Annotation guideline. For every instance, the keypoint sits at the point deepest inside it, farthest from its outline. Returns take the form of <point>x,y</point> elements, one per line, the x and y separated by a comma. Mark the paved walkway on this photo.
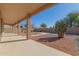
<point>27,48</point>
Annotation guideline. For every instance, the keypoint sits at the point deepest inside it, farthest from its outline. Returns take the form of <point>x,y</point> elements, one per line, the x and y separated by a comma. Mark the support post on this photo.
<point>1,28</point>
<point>18,28</point>
<point>1,25</point>
<point>12,29</point>
<point>28,29</point>
<point>19,25</point>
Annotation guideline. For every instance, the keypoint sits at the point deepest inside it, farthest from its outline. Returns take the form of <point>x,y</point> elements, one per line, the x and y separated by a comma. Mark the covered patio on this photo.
<point>13,14</point>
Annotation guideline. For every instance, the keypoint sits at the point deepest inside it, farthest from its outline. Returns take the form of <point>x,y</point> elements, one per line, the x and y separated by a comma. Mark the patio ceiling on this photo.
<point>14,13</point>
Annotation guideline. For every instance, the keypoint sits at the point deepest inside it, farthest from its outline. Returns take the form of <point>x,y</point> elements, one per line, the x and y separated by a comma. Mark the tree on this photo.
<point>77,21</point>
<point>61,27</point>
<point>43,25</point>
<point>71,18</point>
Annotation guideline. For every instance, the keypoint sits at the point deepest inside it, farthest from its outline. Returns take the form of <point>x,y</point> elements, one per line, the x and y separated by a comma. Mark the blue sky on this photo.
<point>53,14</point>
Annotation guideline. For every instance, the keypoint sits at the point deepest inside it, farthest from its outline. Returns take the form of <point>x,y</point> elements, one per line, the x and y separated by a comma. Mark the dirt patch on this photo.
<point>66,44</point>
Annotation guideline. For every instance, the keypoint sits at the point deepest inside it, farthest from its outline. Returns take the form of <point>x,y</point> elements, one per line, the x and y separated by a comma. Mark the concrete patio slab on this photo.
<point>28,48</point>
<point>11,36</point>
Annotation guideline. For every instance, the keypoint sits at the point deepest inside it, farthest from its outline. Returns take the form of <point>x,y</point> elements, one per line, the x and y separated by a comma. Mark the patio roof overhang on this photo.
<point>14,13</point>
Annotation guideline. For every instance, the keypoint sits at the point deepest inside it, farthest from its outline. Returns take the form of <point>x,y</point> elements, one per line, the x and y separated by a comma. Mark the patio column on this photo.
<point>1,25</point>
<point>15,28</point>
<point>19,28</point>
<point>1,28</point>
<point>28,29</point>
<point>12,29</point>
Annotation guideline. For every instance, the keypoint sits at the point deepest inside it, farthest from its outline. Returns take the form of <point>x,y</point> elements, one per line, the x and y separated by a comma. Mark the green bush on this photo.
<point>60,28</point>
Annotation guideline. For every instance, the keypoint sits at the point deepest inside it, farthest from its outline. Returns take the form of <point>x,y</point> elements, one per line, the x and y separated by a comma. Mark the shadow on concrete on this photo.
<point>48,39</point>
<point>13,41</point>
